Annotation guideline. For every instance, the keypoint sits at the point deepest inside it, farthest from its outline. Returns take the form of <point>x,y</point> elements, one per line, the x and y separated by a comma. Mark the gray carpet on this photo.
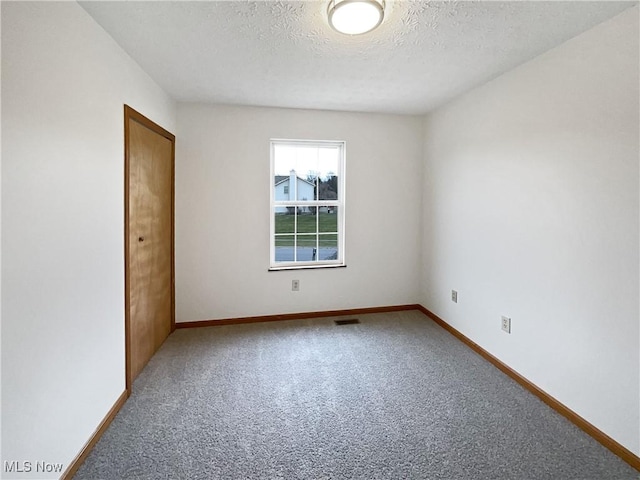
<point>393,397</point>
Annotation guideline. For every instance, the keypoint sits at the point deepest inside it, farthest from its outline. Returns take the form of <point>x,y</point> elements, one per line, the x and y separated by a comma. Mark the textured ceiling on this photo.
<point>284,54</point>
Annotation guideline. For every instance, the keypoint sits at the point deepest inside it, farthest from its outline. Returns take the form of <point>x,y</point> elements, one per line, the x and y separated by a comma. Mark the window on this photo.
<point>307,204</point>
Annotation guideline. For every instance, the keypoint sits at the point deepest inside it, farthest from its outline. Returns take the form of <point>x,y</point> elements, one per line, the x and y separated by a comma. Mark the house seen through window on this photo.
<point>307,204</point>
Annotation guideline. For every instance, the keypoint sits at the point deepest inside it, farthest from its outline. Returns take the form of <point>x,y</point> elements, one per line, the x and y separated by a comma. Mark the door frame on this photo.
<point>132,115</point>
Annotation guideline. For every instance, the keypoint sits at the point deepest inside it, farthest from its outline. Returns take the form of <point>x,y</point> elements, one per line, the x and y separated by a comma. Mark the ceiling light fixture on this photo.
<point>354,17</point>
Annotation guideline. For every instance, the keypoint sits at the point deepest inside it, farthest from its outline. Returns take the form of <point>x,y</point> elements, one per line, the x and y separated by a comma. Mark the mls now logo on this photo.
<point>26,467</point>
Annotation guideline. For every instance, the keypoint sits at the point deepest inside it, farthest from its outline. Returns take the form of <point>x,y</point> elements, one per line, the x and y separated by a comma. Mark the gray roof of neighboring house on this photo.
<point>281,178</point>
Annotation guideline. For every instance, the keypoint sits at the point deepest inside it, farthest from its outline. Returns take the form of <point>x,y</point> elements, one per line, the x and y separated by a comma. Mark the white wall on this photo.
<point>222,236</point>
<point>64,83</point>
<point>531,211</point>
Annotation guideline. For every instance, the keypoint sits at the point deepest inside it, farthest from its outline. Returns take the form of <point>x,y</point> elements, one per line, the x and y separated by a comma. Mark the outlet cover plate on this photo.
<point>506,324</point>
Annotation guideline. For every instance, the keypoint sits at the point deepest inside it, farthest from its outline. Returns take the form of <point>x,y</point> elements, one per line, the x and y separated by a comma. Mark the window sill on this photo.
<point>307,267</point>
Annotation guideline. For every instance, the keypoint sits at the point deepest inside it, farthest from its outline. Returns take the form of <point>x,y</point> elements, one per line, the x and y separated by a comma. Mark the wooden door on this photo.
<point>149,249</point>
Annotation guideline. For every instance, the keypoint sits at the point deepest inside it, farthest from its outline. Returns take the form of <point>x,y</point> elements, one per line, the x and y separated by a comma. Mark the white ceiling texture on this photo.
<point>284,54</point>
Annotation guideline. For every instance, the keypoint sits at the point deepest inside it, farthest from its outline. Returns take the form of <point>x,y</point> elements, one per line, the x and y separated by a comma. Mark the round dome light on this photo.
<point>353,17</point>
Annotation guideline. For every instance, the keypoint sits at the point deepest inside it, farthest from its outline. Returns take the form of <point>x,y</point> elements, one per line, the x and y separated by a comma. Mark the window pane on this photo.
<point>328,247</point>
<point>304,254</point>
<point>306,250</point>
<point>306,240</point>
<point>284,240</point>
<point>307,220</point>
<point>284,248</point>
<point>328,162</point>
<point>285,160</point>
<point>295,170</point>
<point>281,188</point>
<point>328,187</point>
<point>306,167</point>
<point>284,219</point>
<point>305,188</point>
<point>328,219</point>
<point>328,240</point>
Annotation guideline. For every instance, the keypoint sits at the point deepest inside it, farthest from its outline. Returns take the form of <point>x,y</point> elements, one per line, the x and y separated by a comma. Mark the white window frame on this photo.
<point>339,203</point>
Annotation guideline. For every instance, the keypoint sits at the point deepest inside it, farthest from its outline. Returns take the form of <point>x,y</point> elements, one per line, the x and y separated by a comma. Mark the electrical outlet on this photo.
<point>454,296</point>
<point>506,324</point>
<point>295,285</point>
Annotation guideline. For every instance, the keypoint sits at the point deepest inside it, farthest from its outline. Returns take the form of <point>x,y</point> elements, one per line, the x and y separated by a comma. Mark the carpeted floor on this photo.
<point>393,397</point>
